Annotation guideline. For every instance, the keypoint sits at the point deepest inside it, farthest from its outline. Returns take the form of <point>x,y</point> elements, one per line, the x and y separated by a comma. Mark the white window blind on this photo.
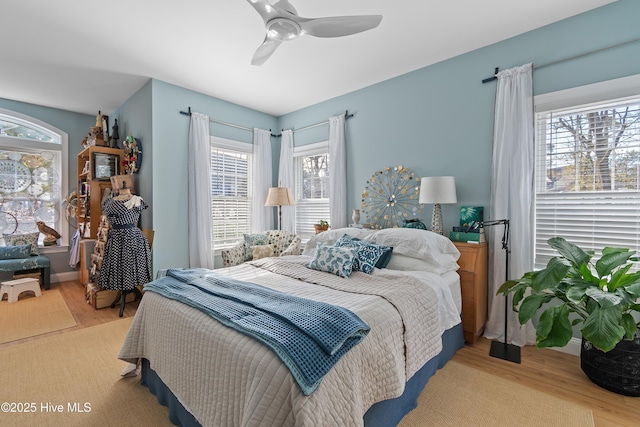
<point>230,191</point>
<point>312,187</point>
<point>588,176</point>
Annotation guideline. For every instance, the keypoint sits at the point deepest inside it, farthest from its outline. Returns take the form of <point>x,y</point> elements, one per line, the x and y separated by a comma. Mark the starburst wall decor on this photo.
<point>390,197</point>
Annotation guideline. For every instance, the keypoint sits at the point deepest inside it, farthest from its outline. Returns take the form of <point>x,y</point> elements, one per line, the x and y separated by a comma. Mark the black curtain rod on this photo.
<point>494,77</point>
<point>188,113</point>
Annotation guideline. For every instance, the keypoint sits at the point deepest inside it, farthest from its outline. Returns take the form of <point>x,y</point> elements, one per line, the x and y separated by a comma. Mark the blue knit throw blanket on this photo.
<point>308,336</point>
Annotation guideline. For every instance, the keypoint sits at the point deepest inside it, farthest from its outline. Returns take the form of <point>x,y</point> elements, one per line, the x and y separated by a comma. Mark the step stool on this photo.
<point>13,288</point>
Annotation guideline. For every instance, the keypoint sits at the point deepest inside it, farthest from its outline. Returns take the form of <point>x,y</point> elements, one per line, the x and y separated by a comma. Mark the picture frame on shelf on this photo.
<point>105,166</point>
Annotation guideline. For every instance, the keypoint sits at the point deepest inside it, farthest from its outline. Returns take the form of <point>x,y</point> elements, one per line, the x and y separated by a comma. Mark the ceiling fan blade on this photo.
<point>264,9</point>
<point>338,26</point>
<point>265,50</point>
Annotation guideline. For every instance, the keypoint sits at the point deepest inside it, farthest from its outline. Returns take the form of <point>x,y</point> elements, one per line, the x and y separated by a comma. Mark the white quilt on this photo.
<point>227,379</point>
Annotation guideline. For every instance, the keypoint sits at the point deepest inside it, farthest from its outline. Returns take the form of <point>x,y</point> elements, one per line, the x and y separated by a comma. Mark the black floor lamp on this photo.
<point>503,350</point>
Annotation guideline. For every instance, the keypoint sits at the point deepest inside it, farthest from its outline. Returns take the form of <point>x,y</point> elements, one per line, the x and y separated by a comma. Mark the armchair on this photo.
<point>283,243</point>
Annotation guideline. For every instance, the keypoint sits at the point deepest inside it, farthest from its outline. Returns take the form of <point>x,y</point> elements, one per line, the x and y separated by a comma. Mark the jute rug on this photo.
<point>33,316</point>
<point>73,379</point>
<point>459,395</point>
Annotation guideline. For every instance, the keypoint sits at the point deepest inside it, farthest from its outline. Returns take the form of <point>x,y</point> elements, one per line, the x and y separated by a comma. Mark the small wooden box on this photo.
<point>102,298</point>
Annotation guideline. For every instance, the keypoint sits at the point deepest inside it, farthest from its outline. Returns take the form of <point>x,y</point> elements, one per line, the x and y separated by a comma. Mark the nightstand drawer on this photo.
<point>473,286</point>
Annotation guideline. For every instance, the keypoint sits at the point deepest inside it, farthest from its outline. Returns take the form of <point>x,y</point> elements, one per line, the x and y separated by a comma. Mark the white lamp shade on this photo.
<point>438,189</point>
<point>280,196</point>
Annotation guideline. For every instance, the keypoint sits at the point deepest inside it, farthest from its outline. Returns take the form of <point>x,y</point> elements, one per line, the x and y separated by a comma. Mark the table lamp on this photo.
<point>438,190</point>
<point>280,196</point>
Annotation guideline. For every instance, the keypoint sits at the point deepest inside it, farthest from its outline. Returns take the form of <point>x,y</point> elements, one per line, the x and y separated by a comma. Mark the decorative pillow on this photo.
<point>293,249</point>
<point>15,252</point>
<point>333,259</point>
<point>23,239</point>
<point>367,254</point>
<point>261,251</point>
<point>253,240</point>
<point>330,237</point>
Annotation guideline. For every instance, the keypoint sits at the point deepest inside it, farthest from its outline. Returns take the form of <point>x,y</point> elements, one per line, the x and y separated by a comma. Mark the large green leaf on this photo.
<point>571,252</point>
<point>530,306</point>
<point>610,261</point>
<point>620,277</point>
<point>602,328</point>
<point>605,299</point>
<point>629,324</point>
<point>554,328</point>
<point>550,276</point>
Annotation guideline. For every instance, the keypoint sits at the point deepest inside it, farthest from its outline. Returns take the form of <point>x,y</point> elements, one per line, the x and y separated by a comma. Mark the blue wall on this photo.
<point>438,120</point>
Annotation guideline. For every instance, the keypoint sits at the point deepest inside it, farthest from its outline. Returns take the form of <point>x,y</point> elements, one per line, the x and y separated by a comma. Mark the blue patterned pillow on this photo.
<point>368,255</point>
<point>15,252</point>
<point>253,240</point>
<point>333,259</point>
<point>23,239</point>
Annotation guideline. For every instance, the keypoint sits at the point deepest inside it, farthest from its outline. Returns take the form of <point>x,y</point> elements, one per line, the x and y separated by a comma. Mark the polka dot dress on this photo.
<point>127,258</point>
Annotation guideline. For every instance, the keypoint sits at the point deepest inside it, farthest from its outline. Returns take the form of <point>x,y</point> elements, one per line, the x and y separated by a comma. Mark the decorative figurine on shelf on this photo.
<point>50,235</point>
<point>99,119</point>
<point>115,136</point>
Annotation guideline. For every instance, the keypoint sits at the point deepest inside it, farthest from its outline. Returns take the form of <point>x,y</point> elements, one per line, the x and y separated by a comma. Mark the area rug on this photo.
<point>33,316</point>
<point>73,379</point>
<point>459,395</point>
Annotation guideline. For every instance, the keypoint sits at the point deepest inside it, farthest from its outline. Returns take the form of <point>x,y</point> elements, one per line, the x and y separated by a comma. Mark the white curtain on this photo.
<point>337,172</point>
<point>200,244</point>
<point>286,178</point>
<point>511,198</point>
<point>261,215</point>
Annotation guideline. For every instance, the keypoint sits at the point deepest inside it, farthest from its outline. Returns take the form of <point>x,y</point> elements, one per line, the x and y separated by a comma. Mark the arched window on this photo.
<point>33,176</point>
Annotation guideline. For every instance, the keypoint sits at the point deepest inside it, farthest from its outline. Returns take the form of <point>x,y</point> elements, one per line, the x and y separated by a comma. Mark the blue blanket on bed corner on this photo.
<point>308,336</point>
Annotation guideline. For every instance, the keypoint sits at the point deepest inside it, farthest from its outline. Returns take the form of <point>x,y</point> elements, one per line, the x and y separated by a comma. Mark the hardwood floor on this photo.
<point>557,374</point>
<point>551,372</point>
<point>84,314</point>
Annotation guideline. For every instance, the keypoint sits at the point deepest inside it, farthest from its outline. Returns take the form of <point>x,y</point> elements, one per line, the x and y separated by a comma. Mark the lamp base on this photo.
<point>436,220</point>
<point>505,351</point>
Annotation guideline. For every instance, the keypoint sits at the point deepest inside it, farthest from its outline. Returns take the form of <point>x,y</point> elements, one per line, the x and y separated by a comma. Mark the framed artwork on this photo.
<point>104,166</point>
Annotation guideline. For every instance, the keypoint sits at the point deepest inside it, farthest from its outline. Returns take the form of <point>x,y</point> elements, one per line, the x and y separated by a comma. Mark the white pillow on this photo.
<point>330,237</point>
<point>437,252</point>
<point>406,263</point>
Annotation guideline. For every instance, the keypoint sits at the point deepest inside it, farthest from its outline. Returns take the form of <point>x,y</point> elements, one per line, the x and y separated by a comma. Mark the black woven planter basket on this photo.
<point>617,370</point>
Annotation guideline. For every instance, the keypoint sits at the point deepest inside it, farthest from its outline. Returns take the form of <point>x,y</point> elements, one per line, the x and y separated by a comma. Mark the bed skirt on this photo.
<point>383,414</point>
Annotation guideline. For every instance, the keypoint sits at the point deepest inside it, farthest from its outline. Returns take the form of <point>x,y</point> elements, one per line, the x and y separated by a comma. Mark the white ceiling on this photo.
<point>86,56</point>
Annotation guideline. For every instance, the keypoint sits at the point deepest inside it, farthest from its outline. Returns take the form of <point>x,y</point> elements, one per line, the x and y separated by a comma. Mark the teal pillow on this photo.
<point>253,240</point>
<point>333,259</point>
<point>368,255</point>
<point>15,252</point>
<point>23,239</point>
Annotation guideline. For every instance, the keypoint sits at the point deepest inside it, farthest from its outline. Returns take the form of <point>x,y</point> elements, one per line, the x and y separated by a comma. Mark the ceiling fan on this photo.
<point>283,24</point>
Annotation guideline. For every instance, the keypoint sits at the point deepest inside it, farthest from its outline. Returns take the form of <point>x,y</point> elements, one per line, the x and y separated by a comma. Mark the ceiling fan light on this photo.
<point>283,29</point>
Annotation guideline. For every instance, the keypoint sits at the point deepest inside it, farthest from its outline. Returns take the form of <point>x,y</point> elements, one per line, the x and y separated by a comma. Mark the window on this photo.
<point>231,192</point>
<point>311,187</point>
<point>33,168</point>
<point>587,174</point>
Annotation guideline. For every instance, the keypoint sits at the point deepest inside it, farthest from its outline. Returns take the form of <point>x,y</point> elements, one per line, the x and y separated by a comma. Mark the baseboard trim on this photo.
<point>573,347</point>
<point>64,277</point>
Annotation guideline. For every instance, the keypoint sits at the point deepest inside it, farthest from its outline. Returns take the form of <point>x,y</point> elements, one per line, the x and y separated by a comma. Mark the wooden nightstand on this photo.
<point>473,273</point>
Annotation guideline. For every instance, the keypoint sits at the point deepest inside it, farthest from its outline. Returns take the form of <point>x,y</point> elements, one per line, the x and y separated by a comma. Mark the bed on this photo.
<point>210,374</point>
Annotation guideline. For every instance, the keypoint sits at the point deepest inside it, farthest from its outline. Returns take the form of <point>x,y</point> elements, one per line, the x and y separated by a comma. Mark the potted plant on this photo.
<point>321,226</point>
<point>602,298</point>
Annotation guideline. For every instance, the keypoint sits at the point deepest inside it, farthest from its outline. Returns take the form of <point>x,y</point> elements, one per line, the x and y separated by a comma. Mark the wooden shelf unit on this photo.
<point>473,273</point>
<point>90,190</point>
